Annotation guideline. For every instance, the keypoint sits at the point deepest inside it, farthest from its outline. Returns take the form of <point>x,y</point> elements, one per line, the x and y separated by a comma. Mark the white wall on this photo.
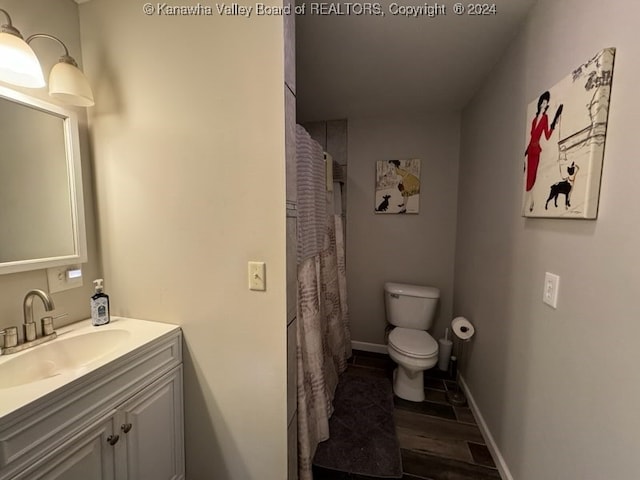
<point>59,18</point>
<point>188,139</point>
<point>415,249</point>
<point>558,389</point>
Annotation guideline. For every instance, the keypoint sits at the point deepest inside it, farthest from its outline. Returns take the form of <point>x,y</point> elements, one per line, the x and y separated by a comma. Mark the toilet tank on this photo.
<point>410,306</point>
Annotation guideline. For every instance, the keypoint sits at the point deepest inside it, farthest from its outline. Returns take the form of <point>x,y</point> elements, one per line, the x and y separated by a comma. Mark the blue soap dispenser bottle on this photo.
<point>99,305</point>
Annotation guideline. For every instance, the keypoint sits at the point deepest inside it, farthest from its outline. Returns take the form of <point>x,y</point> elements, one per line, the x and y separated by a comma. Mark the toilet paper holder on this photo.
<point>463,330</point>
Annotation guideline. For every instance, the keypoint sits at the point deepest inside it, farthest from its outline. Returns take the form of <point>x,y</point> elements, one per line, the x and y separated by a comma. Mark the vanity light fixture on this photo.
<point>66,80</point>
<point>20,66</point>
<point>18,62</point>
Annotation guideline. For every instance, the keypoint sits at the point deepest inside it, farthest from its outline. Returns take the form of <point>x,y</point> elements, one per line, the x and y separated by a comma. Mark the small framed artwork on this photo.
<point>397,186</point>
<point>565,137</point>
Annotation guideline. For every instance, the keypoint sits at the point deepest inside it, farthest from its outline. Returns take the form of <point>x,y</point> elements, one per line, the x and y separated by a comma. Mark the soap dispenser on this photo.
<point>99,305</point>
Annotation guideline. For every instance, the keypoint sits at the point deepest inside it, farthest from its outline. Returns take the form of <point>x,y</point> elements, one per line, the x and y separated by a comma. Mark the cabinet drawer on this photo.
<point>51,420</point>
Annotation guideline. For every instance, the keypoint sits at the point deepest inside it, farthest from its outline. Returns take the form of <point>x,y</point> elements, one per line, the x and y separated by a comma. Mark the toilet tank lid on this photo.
<point>412,290</point>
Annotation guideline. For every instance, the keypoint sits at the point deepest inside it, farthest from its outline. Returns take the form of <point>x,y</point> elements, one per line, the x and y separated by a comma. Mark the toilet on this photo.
<point>411,309</point>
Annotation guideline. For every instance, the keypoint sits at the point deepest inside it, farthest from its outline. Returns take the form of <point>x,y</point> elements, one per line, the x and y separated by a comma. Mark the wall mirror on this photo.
<point>41,204</point>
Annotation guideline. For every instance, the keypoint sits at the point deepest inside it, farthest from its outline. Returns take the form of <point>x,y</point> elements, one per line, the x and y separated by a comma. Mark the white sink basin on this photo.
<point>80,354</point>
<point>59,356</point>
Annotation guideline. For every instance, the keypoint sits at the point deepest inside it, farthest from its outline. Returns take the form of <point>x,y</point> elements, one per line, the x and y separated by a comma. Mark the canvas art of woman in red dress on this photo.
<point>539,126</point>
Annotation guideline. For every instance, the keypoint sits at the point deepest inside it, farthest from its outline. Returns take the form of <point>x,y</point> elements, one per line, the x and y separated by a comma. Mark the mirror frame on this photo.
<point>74,178</point>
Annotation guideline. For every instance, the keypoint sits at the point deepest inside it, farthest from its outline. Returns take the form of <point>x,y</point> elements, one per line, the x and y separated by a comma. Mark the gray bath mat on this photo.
<point>362,432</point>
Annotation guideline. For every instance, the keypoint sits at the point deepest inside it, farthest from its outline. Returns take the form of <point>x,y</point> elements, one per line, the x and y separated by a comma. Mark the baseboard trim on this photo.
<point>486,433</point>
<point>369,347</point>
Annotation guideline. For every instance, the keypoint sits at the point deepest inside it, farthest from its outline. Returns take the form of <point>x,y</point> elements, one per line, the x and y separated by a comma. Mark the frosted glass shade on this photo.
<point>18,64</point>
<point>69,84</point>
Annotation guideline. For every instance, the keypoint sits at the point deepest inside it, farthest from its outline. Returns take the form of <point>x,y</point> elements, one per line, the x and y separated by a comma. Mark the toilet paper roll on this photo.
<point>444,353</point>
<point>462,328</point>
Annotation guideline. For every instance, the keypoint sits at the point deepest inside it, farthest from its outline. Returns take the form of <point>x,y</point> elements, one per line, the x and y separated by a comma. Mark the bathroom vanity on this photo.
<point>95,403</point>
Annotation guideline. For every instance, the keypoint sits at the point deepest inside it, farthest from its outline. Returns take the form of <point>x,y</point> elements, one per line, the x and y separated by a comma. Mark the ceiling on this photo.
<point>363,65</point>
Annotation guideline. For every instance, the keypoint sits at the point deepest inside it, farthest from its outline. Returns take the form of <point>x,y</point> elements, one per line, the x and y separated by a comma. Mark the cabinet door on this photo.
<point>152,430</point>
<point>90,455</point>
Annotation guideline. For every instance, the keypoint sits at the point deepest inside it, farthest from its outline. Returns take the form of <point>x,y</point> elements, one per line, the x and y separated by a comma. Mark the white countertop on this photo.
<point>139,333</point>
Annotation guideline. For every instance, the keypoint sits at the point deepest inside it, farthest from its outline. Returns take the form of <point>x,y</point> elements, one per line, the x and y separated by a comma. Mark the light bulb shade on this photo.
<point>18,63</point>
<point>69,84</point>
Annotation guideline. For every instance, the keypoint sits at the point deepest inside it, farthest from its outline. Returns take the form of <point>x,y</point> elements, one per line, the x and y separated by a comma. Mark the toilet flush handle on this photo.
<point>394,295</point>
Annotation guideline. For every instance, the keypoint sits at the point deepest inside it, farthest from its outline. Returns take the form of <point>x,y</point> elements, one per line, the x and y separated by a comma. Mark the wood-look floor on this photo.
<point>437,441</point>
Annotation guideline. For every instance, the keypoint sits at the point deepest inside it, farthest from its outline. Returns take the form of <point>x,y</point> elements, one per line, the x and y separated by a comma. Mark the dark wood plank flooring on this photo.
<point>437,441</point>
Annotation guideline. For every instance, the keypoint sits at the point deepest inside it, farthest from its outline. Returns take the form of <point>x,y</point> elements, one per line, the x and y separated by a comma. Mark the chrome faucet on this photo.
<point>30,332</point>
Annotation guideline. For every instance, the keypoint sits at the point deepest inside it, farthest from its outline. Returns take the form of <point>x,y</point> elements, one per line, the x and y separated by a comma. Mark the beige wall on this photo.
<point>59,18</point>
<point>188,139</point>
<point>400,248</point>
<point>558,389</point>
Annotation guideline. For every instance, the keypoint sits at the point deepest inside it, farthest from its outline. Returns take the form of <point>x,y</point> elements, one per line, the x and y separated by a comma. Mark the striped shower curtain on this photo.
<point>323,339</point>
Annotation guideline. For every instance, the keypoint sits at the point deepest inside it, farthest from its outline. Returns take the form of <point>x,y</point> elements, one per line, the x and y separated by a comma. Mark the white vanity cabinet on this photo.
<point>125,422</point>
<point>88,455</point>
<point>151,429</point>
<point>141,440</point>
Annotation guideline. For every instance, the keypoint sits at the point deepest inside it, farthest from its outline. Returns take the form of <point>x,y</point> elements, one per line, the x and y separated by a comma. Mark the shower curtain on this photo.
<point>323,338</point>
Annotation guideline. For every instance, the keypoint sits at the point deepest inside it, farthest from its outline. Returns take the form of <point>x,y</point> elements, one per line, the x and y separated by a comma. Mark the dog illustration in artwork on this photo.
<point>564,187</point>
<point>384,204</point>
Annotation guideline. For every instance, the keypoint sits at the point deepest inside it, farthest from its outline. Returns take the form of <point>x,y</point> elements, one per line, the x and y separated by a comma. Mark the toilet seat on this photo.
<point>413,343</point>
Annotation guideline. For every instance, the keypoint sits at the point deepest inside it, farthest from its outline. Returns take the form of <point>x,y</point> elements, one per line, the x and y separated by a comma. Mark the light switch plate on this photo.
<point>257,279</point>
<point>550,290</point>
<point>64,278</point>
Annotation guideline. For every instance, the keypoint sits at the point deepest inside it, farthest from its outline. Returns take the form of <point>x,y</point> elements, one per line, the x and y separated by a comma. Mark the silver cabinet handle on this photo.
<point>113,439</point>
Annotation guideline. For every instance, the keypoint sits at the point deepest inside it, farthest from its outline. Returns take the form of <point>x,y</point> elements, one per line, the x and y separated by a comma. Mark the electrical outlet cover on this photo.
<point>59,280</point>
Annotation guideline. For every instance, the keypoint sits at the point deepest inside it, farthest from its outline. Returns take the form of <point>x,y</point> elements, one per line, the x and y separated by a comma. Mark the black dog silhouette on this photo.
<point>564,187</point>
<point>384,204</point>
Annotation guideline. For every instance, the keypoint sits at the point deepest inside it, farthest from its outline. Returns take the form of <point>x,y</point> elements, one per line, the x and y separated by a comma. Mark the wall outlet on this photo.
<point>550,292</point>
<point>64,278</point>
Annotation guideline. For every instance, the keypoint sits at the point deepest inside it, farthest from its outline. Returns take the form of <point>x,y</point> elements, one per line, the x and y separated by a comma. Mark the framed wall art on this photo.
<point>565,138</point>
<point>397,186</point>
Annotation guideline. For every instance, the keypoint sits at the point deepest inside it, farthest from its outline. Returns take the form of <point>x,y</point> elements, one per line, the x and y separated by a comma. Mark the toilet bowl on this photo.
<point>411,309</point>
<point>414,351</point>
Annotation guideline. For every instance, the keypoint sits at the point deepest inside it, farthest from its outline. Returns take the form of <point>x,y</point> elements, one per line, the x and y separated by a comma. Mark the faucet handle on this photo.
<point>47,326</point>
<point>47,323</point>
<point>9,337</point>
